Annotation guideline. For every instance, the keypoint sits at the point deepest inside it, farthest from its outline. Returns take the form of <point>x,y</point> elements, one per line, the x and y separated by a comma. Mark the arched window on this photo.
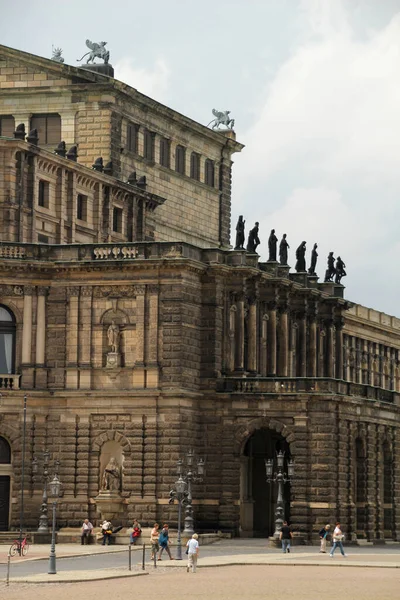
<point>7,340</point>
<point>5,452</point>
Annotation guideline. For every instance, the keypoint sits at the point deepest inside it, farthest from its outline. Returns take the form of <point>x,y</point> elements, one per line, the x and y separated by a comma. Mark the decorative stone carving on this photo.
<point>72,291</point>
<point>283,250</point>
<point>113,335</point>
<point>140,290</point>
<point>123,291</point>
<point>111,479</point>
<point>57,55</point>
<point>253,239</point>
<point>96,50</point>
<point>12,252</point>
<point>222,118</point>
<point>301,258</point>
<point>86,292</point>
<point>314,257</point>
<point>272,241</point>
<point>28,290</point>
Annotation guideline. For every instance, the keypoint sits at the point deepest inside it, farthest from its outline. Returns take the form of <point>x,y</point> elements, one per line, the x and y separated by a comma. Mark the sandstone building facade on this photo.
<point>217,350</point>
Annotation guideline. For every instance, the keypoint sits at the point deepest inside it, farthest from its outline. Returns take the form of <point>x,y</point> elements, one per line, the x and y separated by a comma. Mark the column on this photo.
<point>263,347</point>
<point>339,348</point>
<point>40,371</point>
<point>27,326</point>
<point>152,338</point>
<point>72,338</point>
<point>232,338</point>
<point>330,347</point>
<point>283,343</point>
<point>312,368</point>
<point>303,346</point>
<point>252,357</point>
<point>85,337</point>
<point>272,341</point>
<point>239,358</point>
<point>139,370</point>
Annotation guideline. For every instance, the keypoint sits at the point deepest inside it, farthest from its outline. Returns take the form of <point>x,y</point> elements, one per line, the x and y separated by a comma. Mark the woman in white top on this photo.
<point>338,538</point>
<point>193,553</point>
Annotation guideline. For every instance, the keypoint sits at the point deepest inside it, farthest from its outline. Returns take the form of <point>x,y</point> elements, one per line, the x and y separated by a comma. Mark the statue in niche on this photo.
<point>272,241</point>
<point>331,271</point>
<point>301,258</point>
<point>113,336</point>
<point>253,239</point>
<point>314,257</point>
<point>283,250</point>
<point>111,480</point>
<point>240,234</point>
<point>340,270</point>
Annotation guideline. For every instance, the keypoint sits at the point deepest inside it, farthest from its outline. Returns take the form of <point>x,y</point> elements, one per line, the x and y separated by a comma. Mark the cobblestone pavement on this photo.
<point>229,583</point>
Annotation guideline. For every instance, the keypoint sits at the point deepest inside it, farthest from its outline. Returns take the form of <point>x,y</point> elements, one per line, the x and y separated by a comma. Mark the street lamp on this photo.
<point>185,470</point>
<point>55,487</point>
<point>279,477</point>
<point>180,494</point>
<point>43,519</point>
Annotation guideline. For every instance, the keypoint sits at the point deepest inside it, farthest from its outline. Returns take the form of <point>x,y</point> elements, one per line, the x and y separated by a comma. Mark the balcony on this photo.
<point>305,385</point>
<point>9,382</point>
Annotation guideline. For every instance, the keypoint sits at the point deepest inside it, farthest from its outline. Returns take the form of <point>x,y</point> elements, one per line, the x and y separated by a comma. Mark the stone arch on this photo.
<point>12,307</point>
<point>108,436</point>
<point>114,314</point>
<point>244,432</point>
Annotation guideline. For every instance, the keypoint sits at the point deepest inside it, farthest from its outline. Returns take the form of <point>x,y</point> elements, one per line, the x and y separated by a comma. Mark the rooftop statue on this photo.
<point>301,258</point>
<point>96,51</point>
<point>340,270</point>
<point>283,250</point>
<point>222,118</point>
<point>272,241</point>
<point>314,257</point>
<point>240,234</point>
<point>331,271</point>
<point>253,240</point>
<point>57,55</point>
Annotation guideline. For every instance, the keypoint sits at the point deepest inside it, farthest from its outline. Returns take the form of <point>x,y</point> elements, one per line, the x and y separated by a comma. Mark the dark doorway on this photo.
<point>4,501</point>
<point>259,496</point>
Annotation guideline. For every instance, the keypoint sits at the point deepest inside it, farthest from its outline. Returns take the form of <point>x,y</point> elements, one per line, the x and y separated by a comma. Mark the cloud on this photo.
<point>325,147</point>
<point>152,82</point>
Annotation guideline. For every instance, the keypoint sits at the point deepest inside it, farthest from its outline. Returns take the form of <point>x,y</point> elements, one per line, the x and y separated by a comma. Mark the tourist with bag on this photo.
<point>106,530</point>
<point>136,531</point>
<point>154,540</point>
<point>192,550</point>
<point>163,541</point>
<point>323,534</point>
<point>338,538</point>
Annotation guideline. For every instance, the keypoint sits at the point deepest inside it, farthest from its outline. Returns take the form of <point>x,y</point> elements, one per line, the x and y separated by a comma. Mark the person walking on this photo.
<point>163,541</point>
<point>106,530</point>
<point>136,532</point>
<point>154,535</point>
<point>323,535</point>
<point>285,536</point>
<point>338,538</point>
<point>193,553</point>
<point>87,529</point>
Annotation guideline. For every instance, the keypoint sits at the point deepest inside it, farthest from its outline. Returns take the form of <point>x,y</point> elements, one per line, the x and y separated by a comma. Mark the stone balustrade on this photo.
<point>9,382</point>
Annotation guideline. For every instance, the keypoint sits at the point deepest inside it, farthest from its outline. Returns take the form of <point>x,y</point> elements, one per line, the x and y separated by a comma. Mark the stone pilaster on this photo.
<point>85,337</point>
<point>72,338</point>
<point>152,338</point>
<point>252,351</point>
<point>139,368</point>
<point>272,340</point>
<point>303,346</point>
<point>40,370</point>
<point>239,354</point>
<point>283,342</point>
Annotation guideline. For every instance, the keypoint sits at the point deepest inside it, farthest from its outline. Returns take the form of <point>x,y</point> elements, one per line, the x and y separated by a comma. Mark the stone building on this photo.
<point>136,333</point>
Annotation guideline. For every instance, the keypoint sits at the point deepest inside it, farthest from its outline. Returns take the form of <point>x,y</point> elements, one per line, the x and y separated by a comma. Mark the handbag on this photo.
<point>187,550</point>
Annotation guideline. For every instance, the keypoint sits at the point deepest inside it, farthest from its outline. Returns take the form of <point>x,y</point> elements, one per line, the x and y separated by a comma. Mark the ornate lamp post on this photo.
<point>43,519</point>
<point>280,477</point>
<point>185,470</point>
<point>55,487</point>
<point>180,494</point>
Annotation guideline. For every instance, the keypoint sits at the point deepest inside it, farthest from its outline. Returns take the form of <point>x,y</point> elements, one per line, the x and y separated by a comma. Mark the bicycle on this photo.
<point>15,547</point>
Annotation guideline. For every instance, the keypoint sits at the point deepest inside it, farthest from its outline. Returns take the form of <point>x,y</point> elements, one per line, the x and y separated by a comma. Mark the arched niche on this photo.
<point>111,449</point>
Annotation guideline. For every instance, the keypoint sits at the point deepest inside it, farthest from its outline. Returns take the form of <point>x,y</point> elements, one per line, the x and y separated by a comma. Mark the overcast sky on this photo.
<point>313,85</point>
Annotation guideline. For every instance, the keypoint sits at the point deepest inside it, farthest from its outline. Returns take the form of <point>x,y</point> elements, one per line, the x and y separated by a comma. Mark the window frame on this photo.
<point>10,118</point>
<point>165,152</point>
<point>117,211</point>
<point>56,138</point>
<point>132,137</point>
<point>148,145</point>
<point>195,166</point>
<point>209,178</point>
<point>82,207</point>
<point>44,195</point>
<point>9,327</point>
<point>180,159</point>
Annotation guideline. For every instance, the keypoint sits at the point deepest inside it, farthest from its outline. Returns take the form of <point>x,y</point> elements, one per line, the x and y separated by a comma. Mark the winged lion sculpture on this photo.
<point>222,118</point>
<point>96,51</point>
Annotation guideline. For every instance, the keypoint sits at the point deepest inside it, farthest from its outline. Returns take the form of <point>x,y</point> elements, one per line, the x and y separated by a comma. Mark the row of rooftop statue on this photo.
<point>334,272</point>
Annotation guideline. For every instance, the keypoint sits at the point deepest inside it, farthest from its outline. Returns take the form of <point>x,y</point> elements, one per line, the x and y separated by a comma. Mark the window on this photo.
<point>5,452</point>
<point>43,197</point>
<point>48,128</point>
<point>7,126</point>
<point>148,145</point>
<point>180,156</point>
<point>81,207</point>
<point>7,340</point>
<point>195,166</point>
<point>165,152</point>
<point>117,220</point>
<point>42,239</point>
<point>209,172</point>
<point>132,137</point>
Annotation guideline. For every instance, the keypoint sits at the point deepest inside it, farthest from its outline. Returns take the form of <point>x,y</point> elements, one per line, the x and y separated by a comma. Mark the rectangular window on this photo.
<point>180,157</point>
<point>42,239</point>
<point>43,195</point>
<point>117,220</point>
<point>132,137</point>
<point>209,172</point>
<point>165,152</point>
<point>7,126</point>
<point>195,166</point>
<point>148,145</point>
<point>81,207</point>
<point>48,128</point>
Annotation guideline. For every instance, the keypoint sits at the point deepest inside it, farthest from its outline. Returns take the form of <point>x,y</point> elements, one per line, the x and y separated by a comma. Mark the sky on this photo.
<point>313,86</point>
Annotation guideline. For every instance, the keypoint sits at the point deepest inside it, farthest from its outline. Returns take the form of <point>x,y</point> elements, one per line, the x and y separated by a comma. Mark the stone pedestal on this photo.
<point>110,505</point>
<point>300,277</point>
<point>312,281</point>
<point>328,287</point>
<point>270,267</point>
<point>113,360</point>
<point>100,68</point>
<point>283,271</point>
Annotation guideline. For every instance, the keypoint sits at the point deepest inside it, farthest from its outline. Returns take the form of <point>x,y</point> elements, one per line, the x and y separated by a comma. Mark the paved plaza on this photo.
<point>228,569</point>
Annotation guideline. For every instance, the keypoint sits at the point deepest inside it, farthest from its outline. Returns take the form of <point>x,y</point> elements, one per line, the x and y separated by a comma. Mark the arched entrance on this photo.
<point>257,496</point>
<point>5,478</point>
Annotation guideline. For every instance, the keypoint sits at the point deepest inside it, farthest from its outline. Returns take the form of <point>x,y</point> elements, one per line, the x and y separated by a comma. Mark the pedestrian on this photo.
<point>87,529</point>
<point>192,552</point>
<point>285,536</point>
<point>154,540</point>
<point>338,538</point>
<point>163,541</point>
<point>136,532</point>
<point>323,535</point>
<point>106,530</point>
